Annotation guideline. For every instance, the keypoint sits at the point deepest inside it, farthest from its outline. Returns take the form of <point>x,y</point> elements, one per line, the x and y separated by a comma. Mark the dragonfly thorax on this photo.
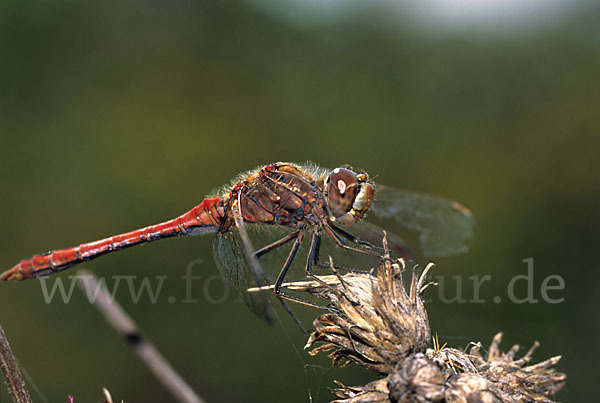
<point>348,195</point>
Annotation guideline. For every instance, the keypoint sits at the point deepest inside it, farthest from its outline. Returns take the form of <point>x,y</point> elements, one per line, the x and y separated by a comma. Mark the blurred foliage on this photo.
<point>115,115</point>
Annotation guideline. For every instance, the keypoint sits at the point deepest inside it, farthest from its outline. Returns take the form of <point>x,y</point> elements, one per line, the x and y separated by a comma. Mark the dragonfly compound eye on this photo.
<point>348,195</point>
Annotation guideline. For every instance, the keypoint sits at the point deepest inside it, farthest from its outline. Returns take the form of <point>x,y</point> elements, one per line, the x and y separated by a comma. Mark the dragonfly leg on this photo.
<point>355,239</point>
<point>313,256</point>
<point>340,242</point>
<point>313,253</point>
<point>288,263</point>
<point>323,265</point>
<point>272,246</point>
<point>307,303</point>
<point>313,259</point>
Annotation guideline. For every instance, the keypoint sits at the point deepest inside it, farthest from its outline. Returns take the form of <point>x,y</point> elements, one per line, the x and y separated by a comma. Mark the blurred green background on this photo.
<point>116,115</point>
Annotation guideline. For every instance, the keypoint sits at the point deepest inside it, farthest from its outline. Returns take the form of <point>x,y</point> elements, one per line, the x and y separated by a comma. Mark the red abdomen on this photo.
<point>205,217</point>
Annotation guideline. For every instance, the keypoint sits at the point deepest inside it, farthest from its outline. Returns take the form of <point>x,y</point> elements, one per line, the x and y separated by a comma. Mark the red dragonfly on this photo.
<point>306,201</point>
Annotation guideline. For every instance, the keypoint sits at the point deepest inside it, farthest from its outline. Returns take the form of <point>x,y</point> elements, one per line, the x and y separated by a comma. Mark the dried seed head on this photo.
<point>381,326</point>
<point>378,323</point>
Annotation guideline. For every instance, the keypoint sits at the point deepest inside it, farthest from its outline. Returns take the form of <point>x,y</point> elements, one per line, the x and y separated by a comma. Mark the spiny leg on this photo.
<point>287,307</point>
<point>310,260</point>
<point>340,242</point>
<point>288,261</point>
<point>272,246</point>
<point>313,259</point>
<point>313,256</point>
<point>322,265</point>
<point>297,236</point>
<point>316,257</point>
<point>355,239</point>
<point>286,266</point>
<point>315,253</point>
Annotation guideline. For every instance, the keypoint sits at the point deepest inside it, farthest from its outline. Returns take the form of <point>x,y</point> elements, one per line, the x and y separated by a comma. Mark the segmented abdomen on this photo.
<point>205,217</point>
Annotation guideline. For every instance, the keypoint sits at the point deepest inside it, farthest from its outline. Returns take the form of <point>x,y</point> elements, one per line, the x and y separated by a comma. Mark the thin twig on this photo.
<point>11,372</point>
<point>124,325</point>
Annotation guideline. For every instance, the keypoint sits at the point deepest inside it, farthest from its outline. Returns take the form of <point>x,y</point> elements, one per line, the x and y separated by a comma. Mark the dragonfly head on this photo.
<point>348,195</point>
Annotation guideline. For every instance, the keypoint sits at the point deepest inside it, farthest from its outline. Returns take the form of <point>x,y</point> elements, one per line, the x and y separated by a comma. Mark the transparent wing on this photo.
<point>233,252</point>
<point>237,272</point>
<point>445,226</point>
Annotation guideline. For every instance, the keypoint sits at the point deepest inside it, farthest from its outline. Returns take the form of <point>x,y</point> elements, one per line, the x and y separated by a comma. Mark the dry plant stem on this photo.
<point>107,396</point>
<point>149,355</point>
<point>11,372</point>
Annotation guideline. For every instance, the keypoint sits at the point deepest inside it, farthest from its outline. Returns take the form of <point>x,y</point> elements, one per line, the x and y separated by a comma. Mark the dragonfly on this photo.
<point>310,203</point>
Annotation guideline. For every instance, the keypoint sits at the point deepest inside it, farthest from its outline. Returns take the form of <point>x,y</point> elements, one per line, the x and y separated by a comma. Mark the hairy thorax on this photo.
<point>280,193</point>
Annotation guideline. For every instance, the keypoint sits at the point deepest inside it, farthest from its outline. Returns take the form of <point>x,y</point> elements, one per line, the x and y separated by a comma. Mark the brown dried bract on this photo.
<point>383,327</point>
